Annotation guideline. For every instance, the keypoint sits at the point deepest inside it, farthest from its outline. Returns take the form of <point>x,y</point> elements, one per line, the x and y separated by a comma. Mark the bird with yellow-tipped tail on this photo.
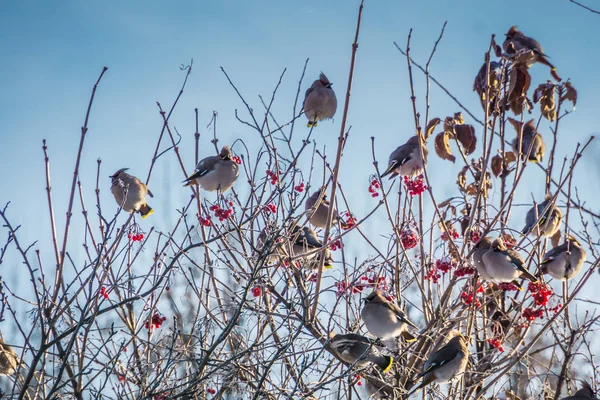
<point>215,172</point>
<point>130,193</point>
<point>359,350</point>
<point>319,102</point>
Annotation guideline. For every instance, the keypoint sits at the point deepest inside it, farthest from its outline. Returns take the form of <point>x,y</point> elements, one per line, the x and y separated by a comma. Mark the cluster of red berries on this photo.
<point>343,286</point>
<point>373,188</point>
<point>299,188</point>
<point>204,220</point>
<point>121,378</point>
<point>475,235</point>
<point>271,207</point>
<point>336,245</point>
<point>409,238</point>
<point>256,291</point>
<point>156,322</point>
<point>273,176</point>
<point>357,379</point>
<point>497,343</point>
<point>221,213</point>
<point>415,186</point>
<point>433,274</point>
<point>445,264</point>
<point>103,292</point>
<point>509,241</point>
<point>450,233</point>
<point>374,280</point>
<point>540,293</point>
<point>136,238</point>
<point>464,270</point>
<point>530,314</point>
<point>236,159</point>
<point>211,391</point>
<point>468,298</point>
<point>349,219</point>
<point>508,287</point>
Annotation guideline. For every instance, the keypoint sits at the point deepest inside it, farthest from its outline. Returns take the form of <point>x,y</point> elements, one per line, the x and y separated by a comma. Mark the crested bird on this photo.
<point>533,147</point>
<point>382,318</point>
<point>549,220</point>
<point>359,350</point>
<point>406,159</point>
<point>565,261</point>
<point>505,265</point>
<point>319,216</point>
<point>516,42</point>
<point>445,364</point>
<point>481,248</point>
<point>130,193</point>
<point>586,392</point>
<point>319,101</point>
<point>215,172</point>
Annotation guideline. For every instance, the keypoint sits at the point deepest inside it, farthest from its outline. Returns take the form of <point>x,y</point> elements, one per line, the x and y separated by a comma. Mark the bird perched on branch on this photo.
<point>586,392</point>
<point>302,242</point>
<point>565,261</point>
<point>406,159</point>
<point>505,265</point>
<point>384,319</point>
<point>319,102</point>
<point>549,217</point>
<point>215,172</point>
<point>130,193</point>
<point>319,216</point>
<point>532,144</point>
<point>516,42</point>
<point>481,248</point>
<point>359,350</point>
<point>445,364</point>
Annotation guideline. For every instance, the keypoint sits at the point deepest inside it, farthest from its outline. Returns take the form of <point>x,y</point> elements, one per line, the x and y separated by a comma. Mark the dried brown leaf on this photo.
<point>445,202</point>
<point>431,126</point>
<point>464,224</point>
<point>510,157</point>
<point>465,134</point>
<point>555,239</point>
<point>462,178</point>
<point>472,189</point>
<point>546,96</point>
<point>442,146</point>
<point>519,83</point>
<point>497,165</point>
<point>570,94</point>
<point>518,125</point>
<point>458,118</point>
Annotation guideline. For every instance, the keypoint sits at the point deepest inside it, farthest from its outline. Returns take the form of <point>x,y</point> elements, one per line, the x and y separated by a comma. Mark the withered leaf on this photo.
<point>449,124</point>
<point>442,146</point>
<point>516,124</point>
<point>510,157</point>
<point>458,118</point>
<point>431,126</point>
<point>462,178</point>
<point>555,239</point>
<point>497,165</point>
<point>519,83</point>
<point>570,94</point>
<point>464,224</point>
<point>523,58</point>
<point>472,189</point>
<point>465,134</point>
<point>445,202</point>
<point>545,95</point>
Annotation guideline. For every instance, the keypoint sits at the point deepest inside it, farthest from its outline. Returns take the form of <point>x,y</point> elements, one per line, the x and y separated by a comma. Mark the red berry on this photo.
<point>256,291</point>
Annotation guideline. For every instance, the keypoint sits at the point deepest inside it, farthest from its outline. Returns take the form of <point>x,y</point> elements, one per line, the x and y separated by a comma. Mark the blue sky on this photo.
<point>54,52</point>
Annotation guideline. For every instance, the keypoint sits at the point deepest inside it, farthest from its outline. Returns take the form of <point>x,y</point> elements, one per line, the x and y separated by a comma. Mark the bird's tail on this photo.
<point>409,337</point>
<point>389,170</point>
<point>384,362</point>
<point>528,275</point>
<point>542,59</point>
<point>426,381</point>
<point>312,124</point>
<point>191,179</point>
<point>145,210</point>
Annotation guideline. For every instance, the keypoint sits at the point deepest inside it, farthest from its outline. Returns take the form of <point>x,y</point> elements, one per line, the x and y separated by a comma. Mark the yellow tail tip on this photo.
<point>328,266</point>
<point>386,369</point>
<point>150,212</point>
<point>311,124</point>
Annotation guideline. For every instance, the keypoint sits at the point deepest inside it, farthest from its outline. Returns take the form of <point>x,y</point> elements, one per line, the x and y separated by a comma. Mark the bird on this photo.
<point>130,193</point>
<point>319,216</point>
<point>565,261</point>
<point>383,319</point>
<point>533,147</point>
<point>447,363</point>
<point>549,221</point>
<point>9,360</point>
<point>215,172</point>
<point>586,392</point>
<point>505,265</point>
<point>481,248</point>
<point>319,102</point>
<point>359,350</point>
<point>304,246</point>
<point>406,159</point>
<point>516,42</point>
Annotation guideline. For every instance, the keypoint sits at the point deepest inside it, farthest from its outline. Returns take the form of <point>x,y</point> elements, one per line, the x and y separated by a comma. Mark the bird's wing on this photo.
<point>399,313</point>
<point>308,92</point>
<point>515,259</point>
<point>440,358</point>
<point>400,156</point>
<point>204,167</point>
<point>309,238</point>
<point>149,192</point>
<point>550,255</point>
